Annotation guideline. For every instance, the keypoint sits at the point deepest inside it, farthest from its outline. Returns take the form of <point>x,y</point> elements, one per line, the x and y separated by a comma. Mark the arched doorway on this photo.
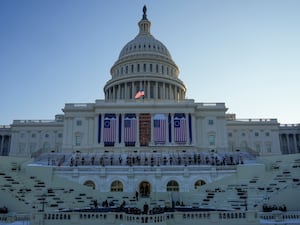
<point>116,186</point>
<point>172,186</point>
<point>199,183</point>
<point>90,183</point>
<point>145,189</point>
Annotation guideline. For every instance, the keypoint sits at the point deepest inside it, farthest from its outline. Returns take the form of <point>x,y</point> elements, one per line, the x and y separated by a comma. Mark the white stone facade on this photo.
<point>160,122</point>
<point>144,63</point>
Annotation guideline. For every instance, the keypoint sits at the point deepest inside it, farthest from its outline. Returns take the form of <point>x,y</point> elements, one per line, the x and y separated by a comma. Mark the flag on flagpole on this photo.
<point>139,94</point>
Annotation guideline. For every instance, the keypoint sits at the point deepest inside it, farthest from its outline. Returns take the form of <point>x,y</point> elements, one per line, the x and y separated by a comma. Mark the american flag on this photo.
<point>139,94</point>
<point>130,128</point>
<point>109,131</point>
<point>159,130</point>
<point>179,129</point>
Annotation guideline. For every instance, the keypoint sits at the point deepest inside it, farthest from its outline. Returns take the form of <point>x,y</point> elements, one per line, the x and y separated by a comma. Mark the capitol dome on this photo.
<point>144,42</point>
<point>144,63</point>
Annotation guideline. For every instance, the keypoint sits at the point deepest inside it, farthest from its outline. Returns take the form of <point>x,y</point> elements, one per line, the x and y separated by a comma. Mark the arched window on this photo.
<point>90,183</point>
<point>116,186</point>
<point>258,147</point>
<point>78,139</point>
<point>173,186</point>
<point>244,145</point>
<point>199,183</point>
<point>46,146</point>
<point>211,139</point>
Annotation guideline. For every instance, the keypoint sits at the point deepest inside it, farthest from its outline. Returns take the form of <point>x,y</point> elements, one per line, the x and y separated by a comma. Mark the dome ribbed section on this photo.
<point>144,44</point>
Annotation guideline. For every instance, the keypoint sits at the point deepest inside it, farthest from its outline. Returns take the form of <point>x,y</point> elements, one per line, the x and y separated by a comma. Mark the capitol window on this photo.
<point>22,147</point>
<point>199,183</point>
<point>211,139</point>
<point>78,140</point>
<point>78,122</point>
<point>90,183</point>
<point>172,186</point>
<point>32,147</point>
<point>257,147</point>
<point>210,122</point>
<point>268,147</point>
<point>116,186</point>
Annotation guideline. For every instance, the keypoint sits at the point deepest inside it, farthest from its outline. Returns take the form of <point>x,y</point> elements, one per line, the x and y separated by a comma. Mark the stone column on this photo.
<point>122,131</point>
<point>151,127</point>
<point>65,133</point>
<point>167,129</point>
<point>164,91</point>
<point>288,143</point>
<point>187,128</point>
<point>193,128</point>
<point>295,143</point>
<point>114,92</point>
<point>117,129</point>
<point>119,93</point>
<point>102,130</point>
<point>1,144</point>
<point>172,129</point>
<point>132,89</point>
<point>156,90</point>
<point>90,138</point>
<point>148,89</point>
<point>137,143</point>
<point>125,91</point>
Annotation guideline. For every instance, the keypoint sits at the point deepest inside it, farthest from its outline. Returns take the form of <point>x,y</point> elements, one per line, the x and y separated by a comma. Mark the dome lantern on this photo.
<point>144,24</point>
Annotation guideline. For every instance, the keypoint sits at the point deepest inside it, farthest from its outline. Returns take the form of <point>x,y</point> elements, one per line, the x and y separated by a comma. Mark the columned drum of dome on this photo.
<point>144,63</point>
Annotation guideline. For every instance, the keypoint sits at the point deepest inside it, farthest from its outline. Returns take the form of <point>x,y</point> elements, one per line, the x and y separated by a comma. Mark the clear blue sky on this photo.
<point>245,53</point>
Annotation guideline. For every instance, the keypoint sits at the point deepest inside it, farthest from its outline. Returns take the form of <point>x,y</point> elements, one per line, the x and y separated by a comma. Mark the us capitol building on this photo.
<point>145,119</point>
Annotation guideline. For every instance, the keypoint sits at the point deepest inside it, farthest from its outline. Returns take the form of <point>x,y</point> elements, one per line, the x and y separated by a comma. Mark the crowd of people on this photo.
<point>124,207</point>
<point>270,208</point>
<point>146,159</point>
